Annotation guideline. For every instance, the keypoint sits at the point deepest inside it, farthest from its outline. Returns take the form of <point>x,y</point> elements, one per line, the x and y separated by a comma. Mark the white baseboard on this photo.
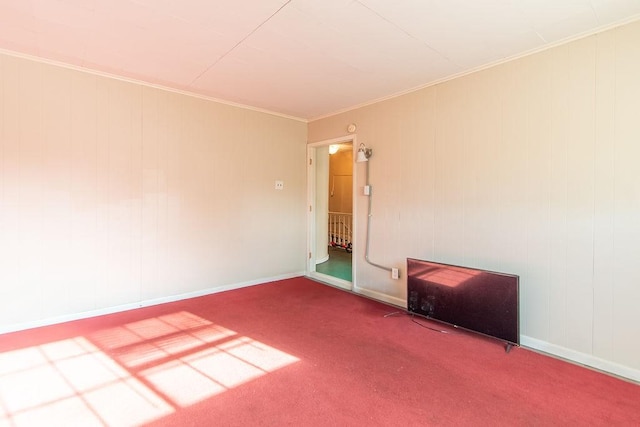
<point>146,303</point>
<point>399,302</point>
<point>536,344</point>
<point>526,341</point>
<point>581,358</point>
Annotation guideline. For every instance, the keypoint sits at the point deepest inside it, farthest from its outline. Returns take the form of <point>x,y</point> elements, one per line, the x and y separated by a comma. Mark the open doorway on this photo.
<point>331,225</point>
<point>340,215</point>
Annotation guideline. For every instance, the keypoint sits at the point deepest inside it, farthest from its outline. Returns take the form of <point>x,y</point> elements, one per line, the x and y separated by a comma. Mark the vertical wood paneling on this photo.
<point>513,176</point>
<point>196,193</point>
<point>604,190</point>
<point>534,172</point>
<point>175,249</point>
<point>135,137</point>
<point>29,183</point>
<point>226,184</point>
<point>449,239</point>
<point>558,215</point>
<point>538,191</point>
<point>386,209</point>
<point>255,187</point>
<point>12,298</point>
<point>166,109</point>
<point>57,261</point>
<point>580,186</point>
<point>3,207</point>
<point>7,165</point>
<point>627,196</point>
<point>151,194</point>
<point>484,228</point>
<point>85,268</point>
<point>112,193</point>
<point>123,192</point>
<point>417,192</point>
<point>187,226</point>
<point>103,209</point>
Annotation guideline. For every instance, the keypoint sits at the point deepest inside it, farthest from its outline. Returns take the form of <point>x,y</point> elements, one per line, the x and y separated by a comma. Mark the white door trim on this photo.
<point>311,209</point>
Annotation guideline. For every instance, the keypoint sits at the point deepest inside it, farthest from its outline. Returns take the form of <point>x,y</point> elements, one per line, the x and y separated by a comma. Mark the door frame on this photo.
<point>311,213</point>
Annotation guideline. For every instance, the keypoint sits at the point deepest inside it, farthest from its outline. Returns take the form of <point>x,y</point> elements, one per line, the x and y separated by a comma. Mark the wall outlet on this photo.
<point>279,185</point>
<point>395,273</point>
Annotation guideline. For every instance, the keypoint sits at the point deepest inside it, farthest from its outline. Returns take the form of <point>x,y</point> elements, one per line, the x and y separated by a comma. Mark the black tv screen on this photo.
<point>477,300</point>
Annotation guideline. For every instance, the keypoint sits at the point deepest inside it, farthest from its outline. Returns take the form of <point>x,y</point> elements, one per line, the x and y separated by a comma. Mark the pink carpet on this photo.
<point>293,352</point>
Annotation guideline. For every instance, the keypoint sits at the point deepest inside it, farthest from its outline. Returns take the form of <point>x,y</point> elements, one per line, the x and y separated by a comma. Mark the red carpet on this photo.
<point>293,352</point>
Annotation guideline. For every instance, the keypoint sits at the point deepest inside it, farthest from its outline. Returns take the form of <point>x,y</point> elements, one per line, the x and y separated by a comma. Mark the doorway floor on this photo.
<point>338,265</point>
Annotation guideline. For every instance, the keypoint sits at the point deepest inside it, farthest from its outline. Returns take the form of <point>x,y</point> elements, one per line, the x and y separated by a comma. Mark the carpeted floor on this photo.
<point>293,352</point>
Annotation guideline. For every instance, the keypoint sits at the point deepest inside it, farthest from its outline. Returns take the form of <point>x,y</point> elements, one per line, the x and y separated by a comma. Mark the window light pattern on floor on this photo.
<point>130,374</point>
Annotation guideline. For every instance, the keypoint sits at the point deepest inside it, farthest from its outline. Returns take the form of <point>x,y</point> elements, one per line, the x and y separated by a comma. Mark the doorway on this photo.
<point>331,212</point>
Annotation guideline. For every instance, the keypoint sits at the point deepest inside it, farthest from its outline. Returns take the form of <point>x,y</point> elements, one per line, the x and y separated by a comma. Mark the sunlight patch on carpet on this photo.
<point>72,382</point>
<point>130,374</point>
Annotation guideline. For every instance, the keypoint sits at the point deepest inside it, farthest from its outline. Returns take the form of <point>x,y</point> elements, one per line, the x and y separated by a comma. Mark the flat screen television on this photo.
<point>481,301</point>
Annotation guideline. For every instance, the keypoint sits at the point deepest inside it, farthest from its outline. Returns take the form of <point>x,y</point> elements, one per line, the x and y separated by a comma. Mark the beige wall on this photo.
<point>529,167</point>
<point>113,193</point>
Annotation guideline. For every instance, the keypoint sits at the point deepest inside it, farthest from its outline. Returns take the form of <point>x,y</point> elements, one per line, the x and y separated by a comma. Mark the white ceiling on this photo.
<point>301,58</point>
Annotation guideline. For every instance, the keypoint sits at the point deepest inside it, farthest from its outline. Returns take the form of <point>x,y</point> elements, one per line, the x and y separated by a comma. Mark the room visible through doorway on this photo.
<point>340,213</point>
<point>333,236</point>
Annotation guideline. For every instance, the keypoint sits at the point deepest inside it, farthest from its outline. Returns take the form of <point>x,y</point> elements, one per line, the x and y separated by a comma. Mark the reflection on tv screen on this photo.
<point>478,300</point>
